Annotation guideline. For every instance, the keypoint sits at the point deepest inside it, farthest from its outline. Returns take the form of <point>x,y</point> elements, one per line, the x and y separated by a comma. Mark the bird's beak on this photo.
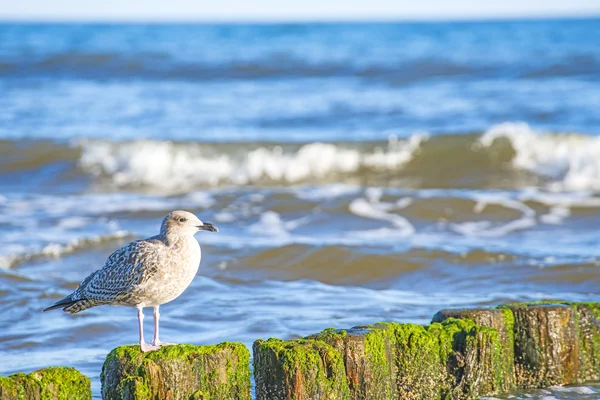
<point>207,226</point>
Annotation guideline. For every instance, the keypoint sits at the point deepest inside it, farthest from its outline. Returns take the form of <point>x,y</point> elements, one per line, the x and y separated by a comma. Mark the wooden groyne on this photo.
<point>462,354</point>
<point>452,359</point>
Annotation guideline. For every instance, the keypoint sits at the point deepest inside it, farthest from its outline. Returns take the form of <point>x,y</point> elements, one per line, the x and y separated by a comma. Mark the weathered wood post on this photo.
<point>422,369</point>
<point>502,320</point>
<point>462,354</point>
<point>455,358</point>
<point>298,369</point>
<point>588,330</point>
<point>369,354</point>
<point>546,344</point>
<point>472,355</point>
<point>52,383</point>
<point>217,372</point>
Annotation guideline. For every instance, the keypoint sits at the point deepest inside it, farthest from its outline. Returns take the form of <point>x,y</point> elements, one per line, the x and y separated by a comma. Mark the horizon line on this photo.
<point>305,19</point>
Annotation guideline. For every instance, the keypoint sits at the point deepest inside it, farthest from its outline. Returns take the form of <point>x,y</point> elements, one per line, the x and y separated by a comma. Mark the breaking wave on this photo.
<point>507,156</point>
<point>184,165</point>
<point>569,161</point>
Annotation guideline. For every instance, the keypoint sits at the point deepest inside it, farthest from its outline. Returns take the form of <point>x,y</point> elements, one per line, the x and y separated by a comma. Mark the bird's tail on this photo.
<point>68,304</point>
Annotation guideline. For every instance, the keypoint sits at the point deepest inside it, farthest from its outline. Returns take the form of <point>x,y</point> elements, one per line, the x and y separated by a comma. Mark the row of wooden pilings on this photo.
<point>462,354</point>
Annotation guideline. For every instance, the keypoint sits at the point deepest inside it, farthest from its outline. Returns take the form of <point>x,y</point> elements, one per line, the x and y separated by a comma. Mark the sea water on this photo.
<point>357,173</point>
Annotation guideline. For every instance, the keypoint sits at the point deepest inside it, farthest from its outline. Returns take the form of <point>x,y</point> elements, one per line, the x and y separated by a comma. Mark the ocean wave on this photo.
<point>569,161</point>
<point>155,65</point>
<point>558,162</point>
<point>181,166</point>
<point>457,220</point>
<point>349,265</point>
<point>506,156</point>
<point>165,66</point>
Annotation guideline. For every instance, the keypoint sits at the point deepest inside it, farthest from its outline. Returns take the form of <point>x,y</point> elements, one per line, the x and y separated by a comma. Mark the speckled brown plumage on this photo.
<point>124,278</point>
<point>144,273</point>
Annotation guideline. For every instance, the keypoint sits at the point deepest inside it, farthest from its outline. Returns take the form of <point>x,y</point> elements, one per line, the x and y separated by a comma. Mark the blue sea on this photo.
<point>358,172</point>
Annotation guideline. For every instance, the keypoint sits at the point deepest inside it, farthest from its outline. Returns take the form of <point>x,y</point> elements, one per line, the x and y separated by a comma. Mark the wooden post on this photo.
<point>218,372</point>
<point>298,369</point>
<point>588,331</point>
<point>501,319</point>
<point>546,345</point>
<point>369,354</point>
<point>52,383</point>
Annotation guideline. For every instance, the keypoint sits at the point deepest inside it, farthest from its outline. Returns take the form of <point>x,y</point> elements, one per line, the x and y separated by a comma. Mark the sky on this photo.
<point>281,10</point>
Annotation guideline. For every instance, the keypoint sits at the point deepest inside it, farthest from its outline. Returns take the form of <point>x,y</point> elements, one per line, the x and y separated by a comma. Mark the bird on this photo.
<point>144,273</point>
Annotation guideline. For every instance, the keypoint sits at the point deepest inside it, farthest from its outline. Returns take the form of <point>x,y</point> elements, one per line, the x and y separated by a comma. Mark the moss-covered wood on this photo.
<point>298,369</point>
<point>501,319</point>
<point>455,359</point>
<point>588,331</point>
<point>473,356</point>
<point>52,383</point>
<point>546,344</point>
<point>369,354</point>
<point>421,363</point>
<point>216,372</point>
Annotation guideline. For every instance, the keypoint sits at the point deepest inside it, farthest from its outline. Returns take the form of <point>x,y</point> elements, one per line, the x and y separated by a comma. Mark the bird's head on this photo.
<point>184,223</point>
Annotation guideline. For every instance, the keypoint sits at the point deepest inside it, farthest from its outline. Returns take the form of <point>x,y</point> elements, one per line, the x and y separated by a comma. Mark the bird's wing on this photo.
<point>126,268</point>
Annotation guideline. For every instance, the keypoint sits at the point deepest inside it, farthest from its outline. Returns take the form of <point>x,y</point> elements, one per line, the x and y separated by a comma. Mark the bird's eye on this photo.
<point>182,219</point>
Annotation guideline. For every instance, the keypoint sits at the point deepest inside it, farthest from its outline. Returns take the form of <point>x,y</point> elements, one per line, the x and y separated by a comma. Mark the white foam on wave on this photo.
<point>573,389</point>
<point>270,223</point>
<point>326,192</point>
<point>16,254</point>
<point>485,199</point>
<point>181,166</point>
<point>579,199</point>
<point>487,228</point>
<point>556,215</point>
<point>559,205</point>
<point>46,226</point>
<point>380,211</point>
<point>83,206</point>
<point>570,161</point>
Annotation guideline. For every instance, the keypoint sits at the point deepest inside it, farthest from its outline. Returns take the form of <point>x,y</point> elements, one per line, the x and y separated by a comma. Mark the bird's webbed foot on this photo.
<point>160,344</point>
<point>146,347</point>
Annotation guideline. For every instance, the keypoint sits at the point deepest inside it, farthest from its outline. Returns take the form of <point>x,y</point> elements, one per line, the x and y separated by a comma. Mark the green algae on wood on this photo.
<point>588,332</point>
<point>301,369</point>
<point>546,344</point>
<point>455,359</point>
<point>473,357</point>
<point>52,383</point>
<point>421,364</point>
<point>216,372</point>
<point>500,319</point>
<point>369,354</point>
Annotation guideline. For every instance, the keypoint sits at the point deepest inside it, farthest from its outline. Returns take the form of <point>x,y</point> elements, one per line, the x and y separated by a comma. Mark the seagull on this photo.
<point>144,273</point>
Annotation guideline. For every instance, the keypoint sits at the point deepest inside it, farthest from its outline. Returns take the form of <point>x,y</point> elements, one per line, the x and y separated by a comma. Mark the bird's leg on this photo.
<point>143,345</point>
<point>156,340</point>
